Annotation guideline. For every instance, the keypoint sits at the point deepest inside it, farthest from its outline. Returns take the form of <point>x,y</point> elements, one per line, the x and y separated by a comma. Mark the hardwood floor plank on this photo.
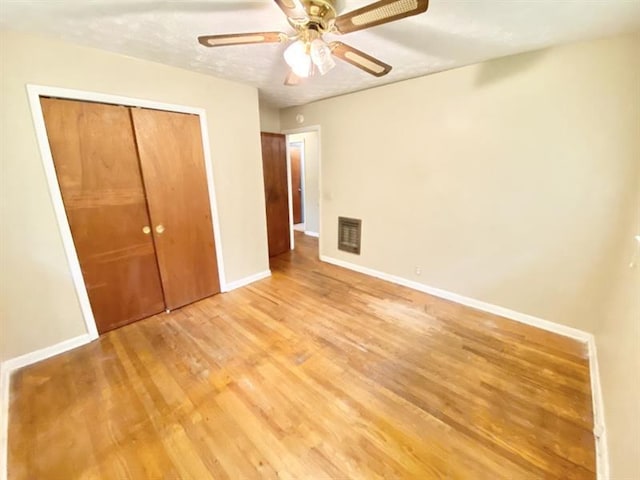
<point>317,372</point>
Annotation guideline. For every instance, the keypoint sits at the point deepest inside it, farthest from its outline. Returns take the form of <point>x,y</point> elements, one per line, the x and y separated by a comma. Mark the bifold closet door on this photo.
<point>94,153</point>
<point>175,180</point>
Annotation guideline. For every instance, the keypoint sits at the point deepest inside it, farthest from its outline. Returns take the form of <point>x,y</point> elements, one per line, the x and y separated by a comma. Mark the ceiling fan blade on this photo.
<point>293,9</point>
<point>383,11</point>
<point>242,39</point>
<point>360,59</point>
<point>292,80</point>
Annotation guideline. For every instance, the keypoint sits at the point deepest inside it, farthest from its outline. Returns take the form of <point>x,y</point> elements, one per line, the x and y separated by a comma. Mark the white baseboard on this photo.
<point>247,280</point>
<point>599,430</point>
<point>38,355</point>
<point>470,302</point>
<point>4,419</point>
<point>8,367</point>
<point>312,234</point>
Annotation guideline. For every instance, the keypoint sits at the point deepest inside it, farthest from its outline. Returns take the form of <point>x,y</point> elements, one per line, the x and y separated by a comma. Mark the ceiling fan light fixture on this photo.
<point>321,56</point>
<point>308,54</point>
<point>297,57</point>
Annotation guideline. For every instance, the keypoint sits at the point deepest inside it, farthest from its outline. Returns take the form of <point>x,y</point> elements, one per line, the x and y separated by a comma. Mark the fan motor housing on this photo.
<point>321,14</point>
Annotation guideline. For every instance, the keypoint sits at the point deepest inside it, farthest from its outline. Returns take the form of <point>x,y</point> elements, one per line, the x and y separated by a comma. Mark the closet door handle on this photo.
<point>160,228</point>
<point>146,229</point>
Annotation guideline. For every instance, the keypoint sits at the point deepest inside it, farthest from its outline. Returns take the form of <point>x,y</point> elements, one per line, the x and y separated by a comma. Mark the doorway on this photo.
<point>291,174</point>
<point>296,159</point>
<point>303,148</point>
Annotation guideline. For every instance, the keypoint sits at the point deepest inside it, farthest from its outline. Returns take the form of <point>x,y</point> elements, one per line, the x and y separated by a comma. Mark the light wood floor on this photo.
<point>315,373</point>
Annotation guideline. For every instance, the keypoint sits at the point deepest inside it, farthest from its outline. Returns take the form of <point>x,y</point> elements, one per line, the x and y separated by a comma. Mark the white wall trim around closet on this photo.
<point>34,92</point>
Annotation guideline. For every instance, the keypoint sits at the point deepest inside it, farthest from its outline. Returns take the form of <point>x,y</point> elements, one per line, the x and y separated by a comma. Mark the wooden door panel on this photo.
<point>174,175</point>
<point>296,183</point>
<point>274,166</point>
<point>96,162</point>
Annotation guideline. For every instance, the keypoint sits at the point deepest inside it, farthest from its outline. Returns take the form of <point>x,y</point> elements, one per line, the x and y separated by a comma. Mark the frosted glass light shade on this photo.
<point>298,59</point>
<point>321,56</point>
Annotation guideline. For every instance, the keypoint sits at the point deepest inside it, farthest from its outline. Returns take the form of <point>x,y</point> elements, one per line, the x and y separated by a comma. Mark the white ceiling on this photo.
<point>451,33</point>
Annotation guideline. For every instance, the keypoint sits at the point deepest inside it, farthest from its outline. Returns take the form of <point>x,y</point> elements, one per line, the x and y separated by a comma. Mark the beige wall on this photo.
<point>37,299</point>
<point>512,182</point>
<point>269,118</point>
<point>501,181</point>
<point>311,185</point>
<point>618,341</point>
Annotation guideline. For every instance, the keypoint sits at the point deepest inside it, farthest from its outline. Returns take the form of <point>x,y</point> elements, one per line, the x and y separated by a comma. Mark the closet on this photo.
<point>134,188</point>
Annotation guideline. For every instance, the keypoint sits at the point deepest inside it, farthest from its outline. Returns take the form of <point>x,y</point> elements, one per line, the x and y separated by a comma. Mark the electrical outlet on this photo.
<point>418,271</point>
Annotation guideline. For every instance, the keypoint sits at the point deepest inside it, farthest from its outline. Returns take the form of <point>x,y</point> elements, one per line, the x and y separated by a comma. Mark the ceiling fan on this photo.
<point>308,52</point>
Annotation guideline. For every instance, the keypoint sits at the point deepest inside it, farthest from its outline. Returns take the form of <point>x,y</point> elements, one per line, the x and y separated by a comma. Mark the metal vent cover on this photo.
<point>349,234</point>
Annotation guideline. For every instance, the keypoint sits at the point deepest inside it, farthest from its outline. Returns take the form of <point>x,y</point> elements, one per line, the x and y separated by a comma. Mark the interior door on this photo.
<point>296,183</point>
<point>174,175</point>
<point>274,166</point>
<point>94,154</point>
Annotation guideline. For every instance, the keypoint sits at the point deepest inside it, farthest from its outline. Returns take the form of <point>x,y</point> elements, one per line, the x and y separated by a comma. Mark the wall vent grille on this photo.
<point>349,234</point>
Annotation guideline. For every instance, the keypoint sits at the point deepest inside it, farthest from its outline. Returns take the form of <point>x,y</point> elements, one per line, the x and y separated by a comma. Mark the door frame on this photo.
<point>317,129</point>
<point>292,240</point>
<point>34,92</point>
<point>300,145</point>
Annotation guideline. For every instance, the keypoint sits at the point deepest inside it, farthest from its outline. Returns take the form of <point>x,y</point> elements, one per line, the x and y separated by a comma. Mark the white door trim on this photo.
<point>292,239</point>
<point>34,92</point>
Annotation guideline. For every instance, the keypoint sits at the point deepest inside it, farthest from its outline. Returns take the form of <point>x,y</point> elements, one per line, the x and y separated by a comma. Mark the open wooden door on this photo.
<point>175,180</point>
<point>296,183</point>
<point>94,153</point>
<point>276,193</point>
